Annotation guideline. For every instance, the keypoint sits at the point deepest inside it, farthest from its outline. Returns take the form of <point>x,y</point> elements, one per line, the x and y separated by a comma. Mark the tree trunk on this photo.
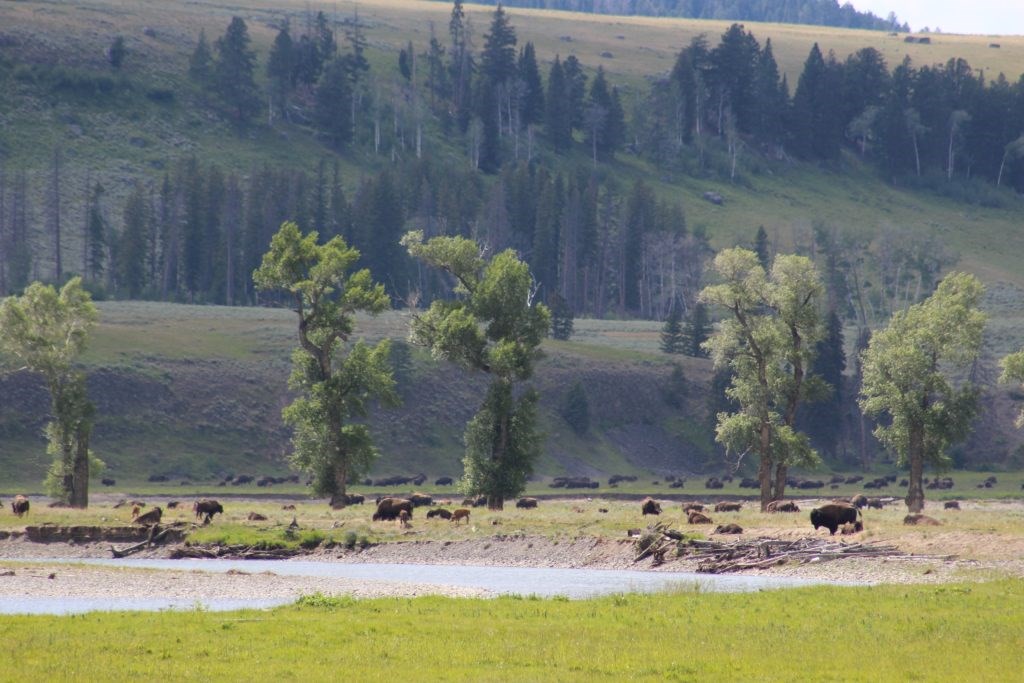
<point>781,470</point>
<point>495,502</point>
<point>764,471</point>
<point>915,492</point>
<point>79,497</point>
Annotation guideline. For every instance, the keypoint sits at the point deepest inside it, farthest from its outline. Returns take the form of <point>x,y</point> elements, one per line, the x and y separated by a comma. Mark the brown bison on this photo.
<point>149,518</point>
<point>388,509</point>
<point>875,503</point>
<point>206,509</point>
<point>833,516</point>
<point>728,529</point>
<point>921,520</point>
<point>698,518</point>
<point>951,505</point>
<point>783,506</point>
<point>649,506</point>
<point>859,501</point>
<point>403,518</point>
<point>728,507</point>
<point>256,517</point>
<point>420,499</point>
<point>19,505</point>
<point>172,505</point>
<point>526,503</point>
<point>439,512</point>
<point>461,513</point>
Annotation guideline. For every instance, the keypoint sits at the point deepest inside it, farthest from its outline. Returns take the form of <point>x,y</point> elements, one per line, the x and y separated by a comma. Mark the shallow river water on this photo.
<point>572,583</point>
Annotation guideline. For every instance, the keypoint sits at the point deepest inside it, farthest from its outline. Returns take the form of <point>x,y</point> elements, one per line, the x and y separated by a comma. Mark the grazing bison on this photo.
<point>19,505</point>
<point>461,513</point>
<point>875,503</point>
<point>206,509</point>
<point>289,506</point>
<point>256,517</point>
<point>420,499</point>
<point>477,502</point>
<point>444,481</point>
<point>834,515</point>
<point>172,504</point>
<point>728,529</point>
<point>728,507</point>
<point>388,509</point>
<point>526,503</point>
<point>698,518</point>
<point>649,506</point>
<point>921,520</point>
<point>951,505</point>
<point>713,483</point>
<point>151,517</point>
<point>689,507</point>
<point>859,501</point>
<point>439,512</point>
<point>108,482</point>
<point>783,506</point>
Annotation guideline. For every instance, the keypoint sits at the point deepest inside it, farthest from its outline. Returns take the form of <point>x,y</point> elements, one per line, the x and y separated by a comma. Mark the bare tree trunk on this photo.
<point>915,491</point>
<point>55,203</point>
<point>80,471</point>
<point>764,471</point>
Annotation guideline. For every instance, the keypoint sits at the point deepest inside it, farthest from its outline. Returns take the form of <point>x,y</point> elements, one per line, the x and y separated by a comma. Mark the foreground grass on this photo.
<point>971,632</point>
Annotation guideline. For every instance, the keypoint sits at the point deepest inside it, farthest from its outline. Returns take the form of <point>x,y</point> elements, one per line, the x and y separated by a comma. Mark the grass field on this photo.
<point>957,632</point>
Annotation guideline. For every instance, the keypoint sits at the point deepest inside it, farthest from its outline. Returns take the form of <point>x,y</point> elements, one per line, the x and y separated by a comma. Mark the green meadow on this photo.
<point>888,633</point>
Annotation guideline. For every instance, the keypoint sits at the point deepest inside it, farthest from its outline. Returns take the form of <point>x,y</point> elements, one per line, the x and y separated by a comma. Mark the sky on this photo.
<point>999,17</point>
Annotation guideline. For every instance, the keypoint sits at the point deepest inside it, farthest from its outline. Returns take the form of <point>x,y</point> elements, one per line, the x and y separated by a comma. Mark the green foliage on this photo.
<point>576,409</point>
<point>494,327</point>
<point>1013,371</point>
<point>331,390</point>
<point>46,331</point>
<point>233,70</point>
<point>768,342</point>
<point>561,318</point>
<point>907,377</point>
<point>675,389</point>
<point>672,338</point>
<point>698,328</point>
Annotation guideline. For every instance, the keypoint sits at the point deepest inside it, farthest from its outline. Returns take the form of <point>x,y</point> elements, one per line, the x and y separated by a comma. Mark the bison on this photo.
<point>689,507</point>
<point>728,529</point>
<point>256,517</point>
<point>172,504</point>
<point>728,507</point>
<point>859,501</point>
<point>875,503</point>
<point>833,516</point>
<point>439,512</point>
<point>783,506</point>
<point>388,509</point>
<point>403,519</point>
<point>444,481</point>
<point>151,517</point>
<point>461,513</point>
<point>206,509</point>
<point>526,503</point>
<point>420,499</point>
<point>108,482</point>
<point>698,518</point>
<point>19,505</point>
<point>951,505</point>
<point>921,520</point>
<point>649,506</point>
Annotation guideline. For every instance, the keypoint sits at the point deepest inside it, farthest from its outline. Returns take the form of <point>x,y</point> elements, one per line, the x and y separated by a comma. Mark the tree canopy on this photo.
<point>908,377</point>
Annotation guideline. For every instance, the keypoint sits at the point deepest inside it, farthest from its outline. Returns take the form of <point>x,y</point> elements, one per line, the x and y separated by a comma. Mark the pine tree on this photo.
<point>576,90</point>
<point>281,67</point>
<point>761,248</point>
<point>673,340</point>
<point>497,71</point>
<point>606,128</point>
<point>117,52</point>
<point>823,419</point>
<point>674,391</point>
<point>558,112</point>
<point>97,237</point>
<point>576,409</point>
<point>134,243</point>
<point>532,102</point>
<point>233,71</point>
<point>200,64</point>
<point>698,328</point>
<point>561,318</point>
<point>333,104</point>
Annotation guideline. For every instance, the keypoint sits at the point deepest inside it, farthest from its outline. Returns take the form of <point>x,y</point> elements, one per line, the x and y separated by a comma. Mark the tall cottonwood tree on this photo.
<point>46,331</point>
<point>496,327</point>
<point>767,341</point>
<point>907,376</point>
<point>332,388</point>
<point>1013,371</point>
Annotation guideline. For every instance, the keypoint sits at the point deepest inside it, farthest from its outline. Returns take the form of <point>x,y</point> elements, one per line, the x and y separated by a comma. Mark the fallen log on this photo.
<point>156,535</point>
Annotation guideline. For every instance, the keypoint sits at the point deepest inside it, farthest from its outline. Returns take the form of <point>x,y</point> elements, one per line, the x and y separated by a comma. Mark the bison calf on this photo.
<point>151,517</point>
<point>783,506</point>
<point>728,507</point>
<point>921,520</point>
<point>728,529</point>
<point>951,505</point>
<point>460,514</point>
<point>526,503</point>
<point>698,518</point>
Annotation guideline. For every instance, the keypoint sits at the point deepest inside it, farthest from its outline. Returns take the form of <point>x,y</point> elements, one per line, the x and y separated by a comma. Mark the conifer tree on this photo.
<point>532,101</point>
<point>576,90</point>
<point>673,340</point>
<point>698,329</point>
<point>576,409</point>
<point>233,71</point>
<point>200,64</point>
<point>561,318</point>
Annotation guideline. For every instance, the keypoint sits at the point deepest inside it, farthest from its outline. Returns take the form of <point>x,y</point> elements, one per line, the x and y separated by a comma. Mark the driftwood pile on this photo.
<point>716,557</point>
<point>170,533</point>
<point>232,552</point>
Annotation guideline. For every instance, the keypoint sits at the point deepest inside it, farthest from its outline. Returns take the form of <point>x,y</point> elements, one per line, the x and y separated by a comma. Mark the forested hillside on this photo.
<point>155,149</point>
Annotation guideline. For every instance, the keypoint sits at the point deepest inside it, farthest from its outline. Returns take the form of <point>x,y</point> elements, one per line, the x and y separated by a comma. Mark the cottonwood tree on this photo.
<point>907,376</point>
<point>1013,371</point>
<point>332,387</point>
<point>494,326</point>
<point>768,342</point>
<point>46,331</point>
